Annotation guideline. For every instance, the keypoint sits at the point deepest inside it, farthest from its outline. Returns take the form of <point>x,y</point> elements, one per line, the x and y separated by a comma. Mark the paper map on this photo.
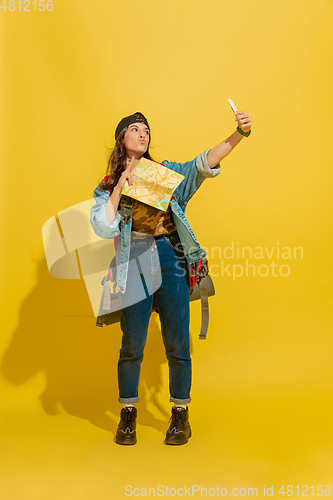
<point>153,184</point>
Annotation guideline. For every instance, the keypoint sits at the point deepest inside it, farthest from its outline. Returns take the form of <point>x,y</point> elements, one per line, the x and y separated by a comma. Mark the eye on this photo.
<point>147,132</point>
<point>134,128</point>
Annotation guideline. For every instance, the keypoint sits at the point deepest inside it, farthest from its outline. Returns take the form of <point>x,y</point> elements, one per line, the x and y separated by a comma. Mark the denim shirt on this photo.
<point>195,172</point>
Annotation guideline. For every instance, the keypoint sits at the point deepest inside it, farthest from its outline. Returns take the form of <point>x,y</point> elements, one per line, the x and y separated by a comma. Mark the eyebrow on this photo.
<point>135,125</point>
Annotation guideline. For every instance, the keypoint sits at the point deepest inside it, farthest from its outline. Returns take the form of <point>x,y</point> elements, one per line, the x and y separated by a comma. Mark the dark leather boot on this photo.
<point>179,430</point>
<point>126,432</point>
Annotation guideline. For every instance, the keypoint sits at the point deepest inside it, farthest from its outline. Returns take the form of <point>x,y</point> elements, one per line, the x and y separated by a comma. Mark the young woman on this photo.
<point>144,230</point>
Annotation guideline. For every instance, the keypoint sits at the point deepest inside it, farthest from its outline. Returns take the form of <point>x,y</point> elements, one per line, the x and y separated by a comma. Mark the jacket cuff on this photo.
<point>103,223</point>
<point>203,167</point>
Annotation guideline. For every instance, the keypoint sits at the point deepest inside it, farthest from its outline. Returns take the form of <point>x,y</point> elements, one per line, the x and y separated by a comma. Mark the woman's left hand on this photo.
<point>244,120</point>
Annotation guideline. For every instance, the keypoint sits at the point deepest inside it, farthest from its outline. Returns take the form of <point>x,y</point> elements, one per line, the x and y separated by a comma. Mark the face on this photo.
<point>136,140</point>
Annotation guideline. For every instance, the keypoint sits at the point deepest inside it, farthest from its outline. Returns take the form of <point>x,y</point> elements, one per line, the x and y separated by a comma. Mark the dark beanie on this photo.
<point>128,120</point>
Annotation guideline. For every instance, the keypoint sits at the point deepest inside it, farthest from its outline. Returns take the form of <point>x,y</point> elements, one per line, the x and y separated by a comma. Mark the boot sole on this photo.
<point>125,441</point>
<point>172,441</point>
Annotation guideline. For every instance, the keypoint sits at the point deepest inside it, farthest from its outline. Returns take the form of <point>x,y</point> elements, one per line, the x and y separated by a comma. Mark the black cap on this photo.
<point>128,120</point>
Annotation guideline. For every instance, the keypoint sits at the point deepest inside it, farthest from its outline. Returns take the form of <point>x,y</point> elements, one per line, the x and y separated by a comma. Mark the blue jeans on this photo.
<point>172,299</point>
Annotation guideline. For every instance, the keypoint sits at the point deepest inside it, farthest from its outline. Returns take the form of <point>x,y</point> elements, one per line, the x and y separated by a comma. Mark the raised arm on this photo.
<point>220,151</point>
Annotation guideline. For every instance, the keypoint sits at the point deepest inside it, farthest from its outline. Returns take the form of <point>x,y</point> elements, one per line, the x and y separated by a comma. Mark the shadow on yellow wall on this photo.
<point>79,359</point>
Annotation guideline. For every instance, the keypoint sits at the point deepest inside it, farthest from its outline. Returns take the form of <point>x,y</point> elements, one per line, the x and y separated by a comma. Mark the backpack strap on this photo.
<point>180,198</point>
<point>204,308</point>
<point>198,273</point>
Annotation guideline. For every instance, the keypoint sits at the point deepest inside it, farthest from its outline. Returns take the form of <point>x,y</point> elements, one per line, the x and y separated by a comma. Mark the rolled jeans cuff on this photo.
<point>180,401</point>
<point>128,400</point>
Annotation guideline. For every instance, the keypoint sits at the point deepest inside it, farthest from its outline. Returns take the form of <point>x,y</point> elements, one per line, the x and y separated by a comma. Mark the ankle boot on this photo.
<point>126,432</point>
<point>179,430</point>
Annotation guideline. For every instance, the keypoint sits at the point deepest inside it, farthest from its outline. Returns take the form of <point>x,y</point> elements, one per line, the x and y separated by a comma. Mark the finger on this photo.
<point>243,115</point>
<point>129,166</point>
<point>129,178</point>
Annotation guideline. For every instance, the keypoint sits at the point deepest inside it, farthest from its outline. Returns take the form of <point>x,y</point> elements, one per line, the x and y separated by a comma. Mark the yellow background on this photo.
<point>262,385</point>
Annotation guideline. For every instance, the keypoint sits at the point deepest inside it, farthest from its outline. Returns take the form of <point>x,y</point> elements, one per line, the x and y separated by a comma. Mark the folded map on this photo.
<point>153,184</point>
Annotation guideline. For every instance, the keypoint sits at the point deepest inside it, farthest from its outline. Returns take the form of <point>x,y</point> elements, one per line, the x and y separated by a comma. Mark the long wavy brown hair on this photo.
<point>117,162</point>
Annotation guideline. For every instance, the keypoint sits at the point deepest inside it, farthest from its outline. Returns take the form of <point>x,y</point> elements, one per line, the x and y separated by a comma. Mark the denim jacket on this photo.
<point>195,172</point>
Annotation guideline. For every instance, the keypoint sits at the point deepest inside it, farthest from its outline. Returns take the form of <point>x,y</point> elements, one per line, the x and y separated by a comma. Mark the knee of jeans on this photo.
<point>132,351</point>
<point>181,351</point>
